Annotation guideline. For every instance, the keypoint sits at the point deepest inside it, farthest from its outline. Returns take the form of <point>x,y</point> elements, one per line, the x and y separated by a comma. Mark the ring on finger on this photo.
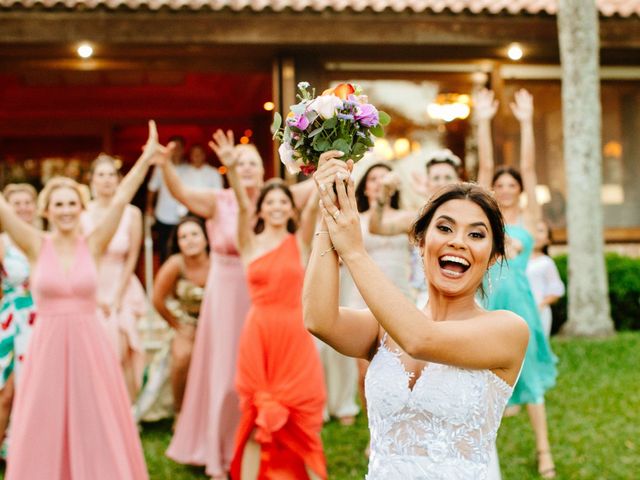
<point>336,214</point>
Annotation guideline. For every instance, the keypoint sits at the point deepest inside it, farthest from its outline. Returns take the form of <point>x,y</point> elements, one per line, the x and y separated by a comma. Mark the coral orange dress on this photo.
<point>279,380</point>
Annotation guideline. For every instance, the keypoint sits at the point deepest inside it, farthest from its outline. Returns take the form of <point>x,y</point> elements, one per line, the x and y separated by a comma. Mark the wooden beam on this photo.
<point>307,28</point>
<point>251,28</point>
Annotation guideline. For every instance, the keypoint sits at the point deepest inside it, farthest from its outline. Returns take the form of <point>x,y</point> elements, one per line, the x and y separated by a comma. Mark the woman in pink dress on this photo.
<point>72,416</point>
<point>204,433</point>
<point>121,298</point>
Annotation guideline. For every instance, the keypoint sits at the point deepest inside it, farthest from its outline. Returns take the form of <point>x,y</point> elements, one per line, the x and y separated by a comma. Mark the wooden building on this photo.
<point>196,65</point>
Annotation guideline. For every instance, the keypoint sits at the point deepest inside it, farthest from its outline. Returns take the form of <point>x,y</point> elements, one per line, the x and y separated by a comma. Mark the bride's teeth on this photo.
<point>451,272</point>
<point>450,258</point>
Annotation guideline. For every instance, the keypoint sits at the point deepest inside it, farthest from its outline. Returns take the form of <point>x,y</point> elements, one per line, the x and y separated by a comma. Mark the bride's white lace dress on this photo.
<point>444,428</point>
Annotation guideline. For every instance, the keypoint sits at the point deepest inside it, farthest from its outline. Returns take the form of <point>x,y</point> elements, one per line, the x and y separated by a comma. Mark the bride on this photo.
<point>439,378</point>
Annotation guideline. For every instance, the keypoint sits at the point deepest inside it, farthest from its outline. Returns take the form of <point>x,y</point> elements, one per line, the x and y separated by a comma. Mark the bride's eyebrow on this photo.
<point>480,224</point>
<point>447,218</point>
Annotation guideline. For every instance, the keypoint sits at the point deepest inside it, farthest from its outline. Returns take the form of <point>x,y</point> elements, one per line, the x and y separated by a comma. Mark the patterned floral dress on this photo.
<point>17,311</point>
<point>17,315</point>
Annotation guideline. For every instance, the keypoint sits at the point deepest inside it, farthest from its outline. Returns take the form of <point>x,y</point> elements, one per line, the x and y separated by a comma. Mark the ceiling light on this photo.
<point>514,52</point>
<point>85,50</point>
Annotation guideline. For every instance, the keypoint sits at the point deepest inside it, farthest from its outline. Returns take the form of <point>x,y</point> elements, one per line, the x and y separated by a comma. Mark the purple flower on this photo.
<point>300,122</point>
<point>367,115</point>
<point>345,116</point>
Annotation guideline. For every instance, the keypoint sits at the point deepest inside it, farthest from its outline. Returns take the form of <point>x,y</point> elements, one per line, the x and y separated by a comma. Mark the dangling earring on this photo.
<point>489,284</point>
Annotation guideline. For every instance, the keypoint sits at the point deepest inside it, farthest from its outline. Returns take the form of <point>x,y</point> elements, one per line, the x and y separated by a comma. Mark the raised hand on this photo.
<point>522,106</point>
<point>152,150</point>
<point>331,167</point>
<point>420,184</point>
<point>342,218</point>
<point>224,147</point>
<point>485,105</point>
<point>390,185</point>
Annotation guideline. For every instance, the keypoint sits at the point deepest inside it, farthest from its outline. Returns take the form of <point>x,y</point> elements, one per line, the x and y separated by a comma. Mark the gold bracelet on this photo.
<point>322,254</point>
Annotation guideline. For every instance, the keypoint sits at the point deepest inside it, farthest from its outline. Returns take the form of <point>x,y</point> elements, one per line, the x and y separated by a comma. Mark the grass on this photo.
<point>594,421</point>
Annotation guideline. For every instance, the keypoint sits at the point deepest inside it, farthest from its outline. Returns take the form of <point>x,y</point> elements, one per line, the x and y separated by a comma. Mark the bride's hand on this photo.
<point>343,223</point>
<point>329,166</point>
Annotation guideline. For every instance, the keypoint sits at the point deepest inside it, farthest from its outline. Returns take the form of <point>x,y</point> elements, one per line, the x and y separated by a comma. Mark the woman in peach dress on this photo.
<point>121,298</point>
<point>72,417</point>
<point>280,380</point>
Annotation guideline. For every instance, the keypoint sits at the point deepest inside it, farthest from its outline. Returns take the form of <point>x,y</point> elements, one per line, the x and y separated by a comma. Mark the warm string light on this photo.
<point>450,106</point>
<point>401,147</point>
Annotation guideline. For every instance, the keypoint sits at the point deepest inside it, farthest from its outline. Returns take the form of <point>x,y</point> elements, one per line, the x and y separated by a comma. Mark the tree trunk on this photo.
<point>589,311</point>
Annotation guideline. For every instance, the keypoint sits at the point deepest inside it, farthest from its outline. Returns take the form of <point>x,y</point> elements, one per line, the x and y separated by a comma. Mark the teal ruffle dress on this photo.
<point>507,288</point>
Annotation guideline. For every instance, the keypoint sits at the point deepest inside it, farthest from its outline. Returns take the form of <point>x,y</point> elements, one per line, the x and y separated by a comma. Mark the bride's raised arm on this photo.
<point>351,332</point>
<point>494,343</point>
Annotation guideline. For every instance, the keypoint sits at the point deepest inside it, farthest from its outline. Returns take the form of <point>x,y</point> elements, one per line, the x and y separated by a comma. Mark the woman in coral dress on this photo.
<point>72,418</point>
<point>121,298</point>
<point>209,415</point>
<point>279,380</point>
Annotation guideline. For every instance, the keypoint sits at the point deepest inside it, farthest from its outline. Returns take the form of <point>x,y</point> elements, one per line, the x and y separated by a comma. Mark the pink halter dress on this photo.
<point>72,418</point>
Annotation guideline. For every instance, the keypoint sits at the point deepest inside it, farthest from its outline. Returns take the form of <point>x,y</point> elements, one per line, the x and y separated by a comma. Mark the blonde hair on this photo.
<point>27,188</point>
<point>250,148</point>
<point>56,183</point>
<point>104,158</point>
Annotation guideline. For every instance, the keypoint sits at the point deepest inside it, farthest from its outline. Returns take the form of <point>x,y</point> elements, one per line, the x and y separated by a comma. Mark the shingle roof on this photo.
<point>623,8</point>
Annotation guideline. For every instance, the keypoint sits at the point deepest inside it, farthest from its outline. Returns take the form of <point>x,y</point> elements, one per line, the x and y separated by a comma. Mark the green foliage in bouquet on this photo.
<point>339,119</point>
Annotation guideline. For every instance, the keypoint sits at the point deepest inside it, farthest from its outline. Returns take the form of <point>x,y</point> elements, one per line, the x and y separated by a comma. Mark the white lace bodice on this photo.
<point>442,429</point>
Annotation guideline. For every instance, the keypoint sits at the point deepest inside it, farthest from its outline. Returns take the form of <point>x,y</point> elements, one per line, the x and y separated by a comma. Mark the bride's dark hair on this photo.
<point>463,191</point>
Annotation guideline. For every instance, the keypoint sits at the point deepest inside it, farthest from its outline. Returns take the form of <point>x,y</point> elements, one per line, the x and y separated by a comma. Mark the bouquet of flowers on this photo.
<point>339,119</point>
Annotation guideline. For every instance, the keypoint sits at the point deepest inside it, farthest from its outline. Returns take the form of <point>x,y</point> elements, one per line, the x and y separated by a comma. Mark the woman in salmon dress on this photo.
<point>204,432</point>
<point>121,298</point>
<point>279,379</point>
<point>72,418</point>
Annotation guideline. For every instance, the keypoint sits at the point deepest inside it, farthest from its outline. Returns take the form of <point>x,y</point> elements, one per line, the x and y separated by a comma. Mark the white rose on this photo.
<point>326,105</point>
<point>286,157</point>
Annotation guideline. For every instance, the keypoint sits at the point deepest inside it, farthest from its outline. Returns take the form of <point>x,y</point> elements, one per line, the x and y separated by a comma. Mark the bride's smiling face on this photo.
<point>458,247</point>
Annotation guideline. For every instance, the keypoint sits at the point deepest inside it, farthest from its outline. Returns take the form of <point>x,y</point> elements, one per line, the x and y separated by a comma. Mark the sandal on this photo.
<point>549,472</point>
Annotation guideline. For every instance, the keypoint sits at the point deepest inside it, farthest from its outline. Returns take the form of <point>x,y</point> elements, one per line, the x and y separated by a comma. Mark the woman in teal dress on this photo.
<point>507,286</point>
<point>508,289</point>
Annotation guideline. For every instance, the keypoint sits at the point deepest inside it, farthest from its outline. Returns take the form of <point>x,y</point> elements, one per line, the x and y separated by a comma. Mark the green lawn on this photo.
<point>594,421</point>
